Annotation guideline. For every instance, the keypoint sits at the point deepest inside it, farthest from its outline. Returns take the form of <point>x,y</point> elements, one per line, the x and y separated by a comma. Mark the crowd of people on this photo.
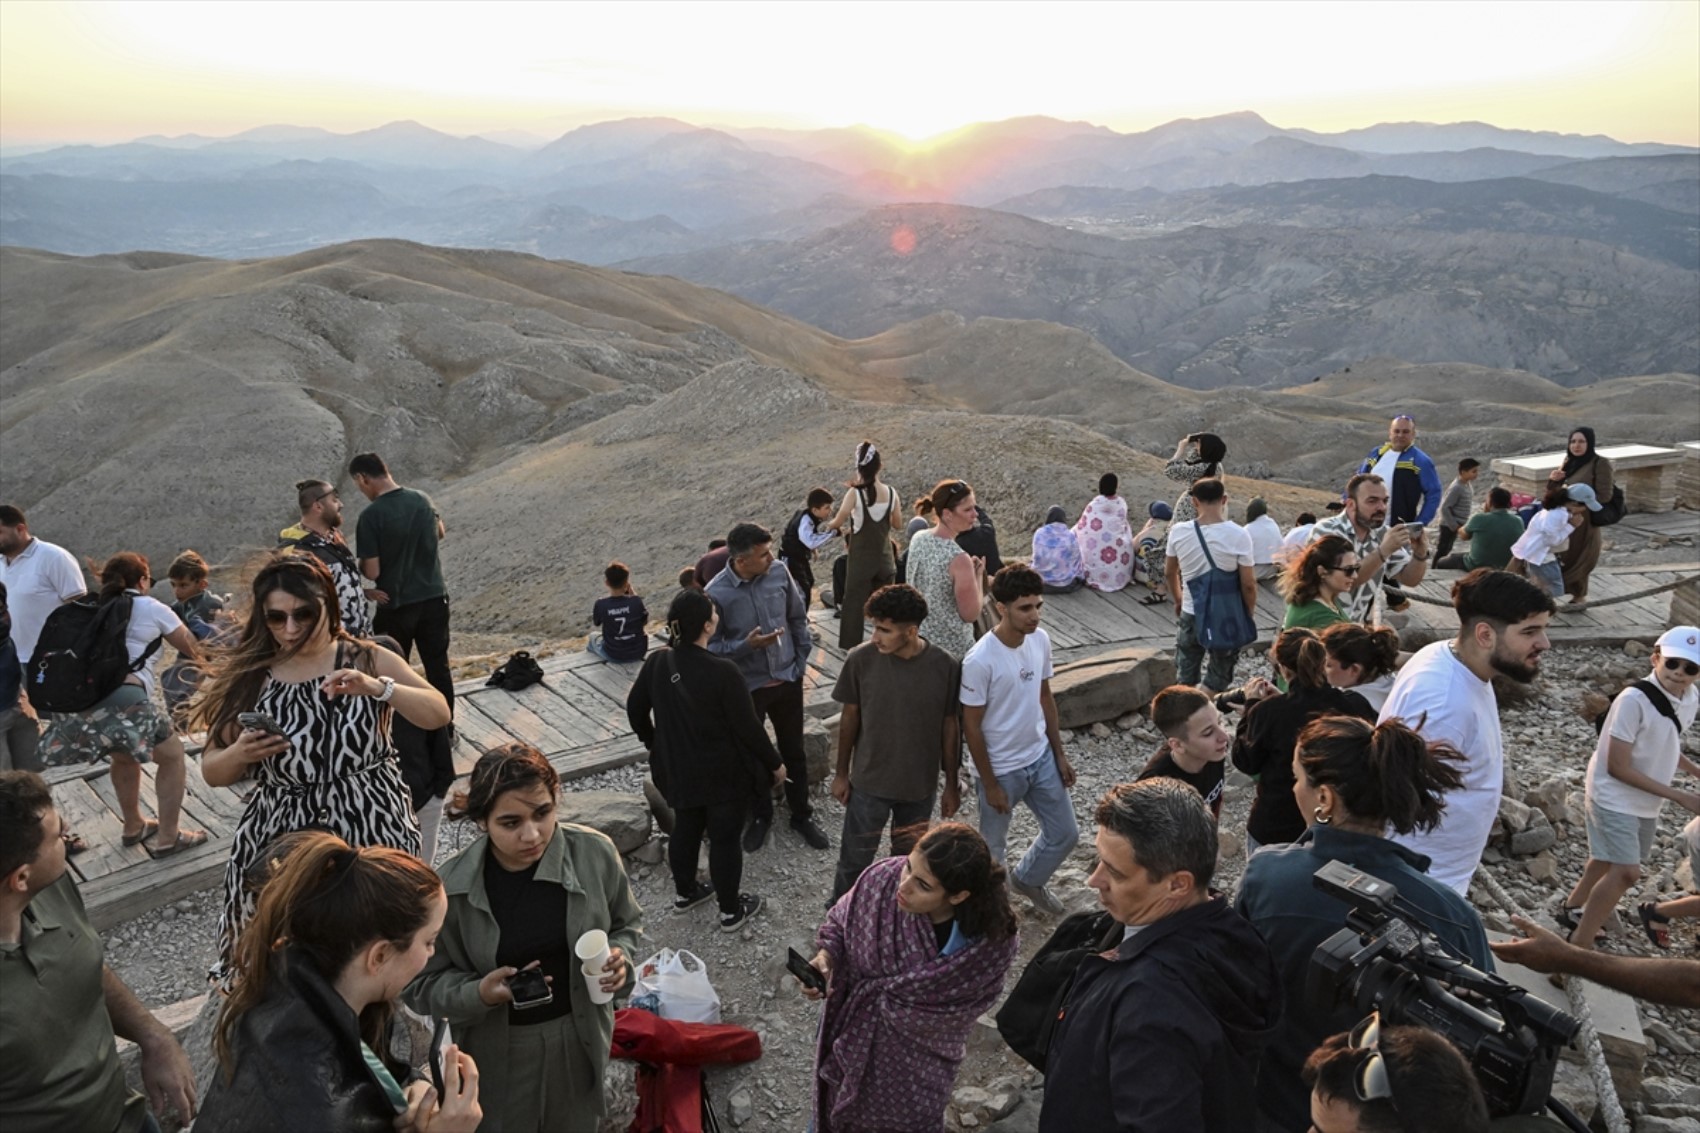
<point>1188,1012</point>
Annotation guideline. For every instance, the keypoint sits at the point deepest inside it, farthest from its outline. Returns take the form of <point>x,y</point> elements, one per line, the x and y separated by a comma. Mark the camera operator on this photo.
<point>1353,780</point>
<point>1375,1079</point>
<point>1673,983</point>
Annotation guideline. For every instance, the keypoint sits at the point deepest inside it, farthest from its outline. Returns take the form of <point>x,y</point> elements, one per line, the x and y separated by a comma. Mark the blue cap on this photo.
<point>1582,494</point>
<point>1161,510</point>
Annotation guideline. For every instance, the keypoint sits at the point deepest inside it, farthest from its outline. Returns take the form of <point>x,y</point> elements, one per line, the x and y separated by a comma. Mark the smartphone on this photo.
<point>530,989</point>
<point>800,967</point>
<point>440,1042</point>
<point>259,722</point>
<point>1415,529</point>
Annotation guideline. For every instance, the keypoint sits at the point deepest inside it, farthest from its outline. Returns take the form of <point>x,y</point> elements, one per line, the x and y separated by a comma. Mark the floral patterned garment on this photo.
<point>1056,554</point>
<point>1106,543</point>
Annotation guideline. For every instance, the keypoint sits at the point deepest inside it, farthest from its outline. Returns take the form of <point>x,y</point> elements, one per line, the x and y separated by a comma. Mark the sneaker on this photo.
<point>755,835</point>
<point>697,896</point>
<point>1042,898</point>
<point>809,832</point>
<point>748,906</point>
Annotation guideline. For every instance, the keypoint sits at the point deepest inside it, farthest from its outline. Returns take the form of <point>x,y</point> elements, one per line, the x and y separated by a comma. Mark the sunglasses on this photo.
<point>301,616</point>
<point>1689,667</point>
<point>956,493</point>
<point>1371,1082</point>
<point>330,495</point>
<point>1348,571</point>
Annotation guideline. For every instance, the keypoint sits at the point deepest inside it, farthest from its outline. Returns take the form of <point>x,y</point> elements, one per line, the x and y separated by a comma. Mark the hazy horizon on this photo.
<point>101,73</point>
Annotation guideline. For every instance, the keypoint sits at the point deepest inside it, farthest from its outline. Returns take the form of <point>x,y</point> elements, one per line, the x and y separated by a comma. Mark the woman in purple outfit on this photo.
<point>913,954</point>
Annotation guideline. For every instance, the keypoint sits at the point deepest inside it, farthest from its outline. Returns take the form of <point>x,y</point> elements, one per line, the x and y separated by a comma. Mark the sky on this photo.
<point>112,71</point>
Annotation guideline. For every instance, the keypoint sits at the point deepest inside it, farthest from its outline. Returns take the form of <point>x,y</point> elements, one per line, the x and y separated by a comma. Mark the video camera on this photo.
<point>1387,960</point>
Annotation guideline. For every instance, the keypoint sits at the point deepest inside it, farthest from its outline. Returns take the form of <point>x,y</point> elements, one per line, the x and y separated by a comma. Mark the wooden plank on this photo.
<point>612,679</point>
<point>617,752</point>
<point>476,728</point>
<point>101,827</point>
<point>131,892</point>
<point>1112,624</point>
<point>222,801</point>
<point>518,722</point>
<point>598,715</point>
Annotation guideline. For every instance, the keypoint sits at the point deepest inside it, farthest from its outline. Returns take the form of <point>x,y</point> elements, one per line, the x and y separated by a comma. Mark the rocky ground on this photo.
<point>163,956</point>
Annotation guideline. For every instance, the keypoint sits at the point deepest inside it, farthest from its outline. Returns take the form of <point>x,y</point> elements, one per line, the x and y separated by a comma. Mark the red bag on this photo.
<point>671,1056</point>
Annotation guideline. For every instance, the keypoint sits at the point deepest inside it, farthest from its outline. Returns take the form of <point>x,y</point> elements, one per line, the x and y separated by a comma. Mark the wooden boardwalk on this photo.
<point>577,715</point>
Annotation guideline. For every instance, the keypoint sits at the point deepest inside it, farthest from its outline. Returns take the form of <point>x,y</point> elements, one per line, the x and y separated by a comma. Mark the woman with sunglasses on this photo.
<point>329,765</point>
<point>1629,779</point>
<point>1352,780</point>
<point>1376,1079</point>
<point>946,575</point>
<point>1314,581</point>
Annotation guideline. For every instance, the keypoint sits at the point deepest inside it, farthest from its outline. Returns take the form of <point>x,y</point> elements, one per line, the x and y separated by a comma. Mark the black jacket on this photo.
<point>298,1064</point>
<point>1164,1034</point>
<point>706,745</point>
<point>1263,746</point>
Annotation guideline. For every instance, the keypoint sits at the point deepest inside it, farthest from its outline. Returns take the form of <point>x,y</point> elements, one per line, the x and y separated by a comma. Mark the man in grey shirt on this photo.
<point>764,630</point>
<point>1457,504</point>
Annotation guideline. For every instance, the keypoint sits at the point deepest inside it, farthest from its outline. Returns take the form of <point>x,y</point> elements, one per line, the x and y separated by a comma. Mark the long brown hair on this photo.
<point>235,675</point>
<point>1374,651</point>
<point>123,571</point>
<point>1301,582</point>
<point>1300,652</point>
<point>1382,772</point>
<point>327,901</point>
<point>960,859</point>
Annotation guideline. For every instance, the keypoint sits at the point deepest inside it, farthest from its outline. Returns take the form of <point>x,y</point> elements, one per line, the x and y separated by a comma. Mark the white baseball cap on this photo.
<point>1680,641</point>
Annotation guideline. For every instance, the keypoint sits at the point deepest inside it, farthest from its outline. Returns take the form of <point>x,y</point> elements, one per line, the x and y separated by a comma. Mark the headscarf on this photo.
<point>1571,461</point>
<point>1056,515</point>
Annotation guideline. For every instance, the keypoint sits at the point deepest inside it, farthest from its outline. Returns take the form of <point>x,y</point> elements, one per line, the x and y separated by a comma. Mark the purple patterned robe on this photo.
<point>897,1015</point>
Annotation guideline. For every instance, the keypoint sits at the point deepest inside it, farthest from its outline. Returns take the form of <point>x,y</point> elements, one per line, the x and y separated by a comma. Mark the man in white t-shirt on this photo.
<point>1185,560</point>
<point>1010,720</point>
<point>1445,692</point>
<point>39,577</point>
<point>1265,536</point>
<point>1629,779</point>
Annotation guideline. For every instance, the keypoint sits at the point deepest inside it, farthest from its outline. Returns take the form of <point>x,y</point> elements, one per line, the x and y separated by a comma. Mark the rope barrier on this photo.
<point>1636,597</point>
<point>1610,1107</point>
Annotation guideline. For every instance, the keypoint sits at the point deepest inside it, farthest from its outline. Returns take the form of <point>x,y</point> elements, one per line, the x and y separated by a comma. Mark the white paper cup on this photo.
<point>592,948</point>
<point>593,974</point>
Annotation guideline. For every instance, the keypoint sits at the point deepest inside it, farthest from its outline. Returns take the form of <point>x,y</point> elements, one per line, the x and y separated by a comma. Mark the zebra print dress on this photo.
<point>339,774</point>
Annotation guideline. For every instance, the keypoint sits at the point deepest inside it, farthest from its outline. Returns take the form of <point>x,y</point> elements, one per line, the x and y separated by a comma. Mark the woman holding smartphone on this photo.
<point>505,974</point>
<point>304,709</point>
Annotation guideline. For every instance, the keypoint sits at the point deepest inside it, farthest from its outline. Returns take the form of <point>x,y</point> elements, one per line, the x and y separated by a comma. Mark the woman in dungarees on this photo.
<point>870,512</point>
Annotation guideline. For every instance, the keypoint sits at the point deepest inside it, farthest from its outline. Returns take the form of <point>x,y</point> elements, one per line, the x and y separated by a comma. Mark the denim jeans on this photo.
<point>864,821</point>
<point>1549,576</point>
<point>1040,786</point>
<point>1189,656</point>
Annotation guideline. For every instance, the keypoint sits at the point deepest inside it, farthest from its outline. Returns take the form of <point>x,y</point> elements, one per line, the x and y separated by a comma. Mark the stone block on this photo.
<point>817,748</point>
<point>1549,797</point>
<point>657,804</point>
<point>1110,685</point>
<point>1543,867</point>
<point>1228,845</point>
<point>1539,836</point>
<point>623,817</point>
<point>1514,814</point>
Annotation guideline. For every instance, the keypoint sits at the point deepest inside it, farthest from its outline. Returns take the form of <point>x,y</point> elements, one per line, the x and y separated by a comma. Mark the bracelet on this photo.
<point>1419,558</point>
<point>389,689</point>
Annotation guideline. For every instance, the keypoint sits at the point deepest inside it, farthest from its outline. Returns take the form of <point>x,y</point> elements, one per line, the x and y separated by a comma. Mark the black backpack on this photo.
<point>81,657</point>
<point>517,672</point>
<point>1029,1015</point>
<point>1611,510</point>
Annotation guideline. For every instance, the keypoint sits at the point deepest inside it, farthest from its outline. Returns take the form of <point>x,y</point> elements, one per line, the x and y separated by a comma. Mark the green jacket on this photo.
<point>585,864</point>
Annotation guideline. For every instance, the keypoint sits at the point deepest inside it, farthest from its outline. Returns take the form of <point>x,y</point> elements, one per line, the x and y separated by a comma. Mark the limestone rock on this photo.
<point>1549,797</point>
<point>1514,814</point>
<point>624,818</point>
<point>817,747</point>
<point>1543,867</point>
<point>1539,836</point>
<point>1633,648</point>
<point>1099,731</point>
<point>1110,685</point>
<point>1228,844</point>
<point>657,804</point>
<point>740,1107</point>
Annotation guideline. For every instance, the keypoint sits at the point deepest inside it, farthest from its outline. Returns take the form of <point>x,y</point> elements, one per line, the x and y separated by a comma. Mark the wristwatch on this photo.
<point>389,688</point>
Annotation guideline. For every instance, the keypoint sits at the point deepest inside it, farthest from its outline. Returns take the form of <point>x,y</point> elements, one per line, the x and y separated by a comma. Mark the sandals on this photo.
<point>1654,922</point>
<point>1566,918</point>
<point>148,830</point>
<point>186,840</point>
<point>1153,599</point>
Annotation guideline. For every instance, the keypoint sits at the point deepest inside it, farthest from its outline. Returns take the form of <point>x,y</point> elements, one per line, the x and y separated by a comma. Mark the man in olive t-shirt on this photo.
<point>897,732</point>
<point>397,539</point>
<point>1489,533</point>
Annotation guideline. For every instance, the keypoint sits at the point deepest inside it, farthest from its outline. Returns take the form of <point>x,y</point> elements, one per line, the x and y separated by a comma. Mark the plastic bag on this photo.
<point>674,985</point>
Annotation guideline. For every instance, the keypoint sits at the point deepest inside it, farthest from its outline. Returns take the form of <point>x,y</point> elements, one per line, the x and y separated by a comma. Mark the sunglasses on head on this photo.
<point>301,616</point>
<point>1372,1081</point>
<point>1689,667</point>
<point>956,492</point>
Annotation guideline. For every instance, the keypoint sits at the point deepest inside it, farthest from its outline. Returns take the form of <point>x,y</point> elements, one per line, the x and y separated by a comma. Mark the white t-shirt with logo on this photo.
<point>149,619</point>
<point>1453,705</point>
<point>1006,682</point>
<point>1230,546</point>
<point>1655,743</point>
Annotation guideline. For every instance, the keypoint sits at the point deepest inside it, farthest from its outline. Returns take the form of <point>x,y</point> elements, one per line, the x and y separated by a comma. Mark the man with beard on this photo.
<point>1391,554</point>
<point>1445,693</point>
<point>320,535</point>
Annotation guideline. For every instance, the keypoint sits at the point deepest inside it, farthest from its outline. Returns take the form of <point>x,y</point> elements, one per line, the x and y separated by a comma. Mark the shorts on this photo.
<point>125,723</point>
<point>1622,839</point>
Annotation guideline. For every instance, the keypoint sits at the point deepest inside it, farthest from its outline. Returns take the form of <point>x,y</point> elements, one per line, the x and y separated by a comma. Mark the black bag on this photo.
<point>1611,510</point>
<point>517,672</point>
<point>81,656</point>
<point>1655,696</point>
<point>1029,1014</point>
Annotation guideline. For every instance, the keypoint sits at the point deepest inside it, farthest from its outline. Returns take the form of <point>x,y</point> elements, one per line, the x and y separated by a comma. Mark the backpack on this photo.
<point>1611,510</point>
<point>81,656</point>
<point>1219,618</point>
<point>517,672</point>
<point>1655,696</point>
<point>791,547</point>
<point>1029,1015</point>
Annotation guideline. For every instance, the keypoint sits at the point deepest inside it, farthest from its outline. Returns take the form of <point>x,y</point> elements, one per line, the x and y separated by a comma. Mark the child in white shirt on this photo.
<point>1564,510</point>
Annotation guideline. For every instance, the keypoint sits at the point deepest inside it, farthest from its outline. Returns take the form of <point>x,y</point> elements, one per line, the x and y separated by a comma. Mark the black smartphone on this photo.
<point>800,967</point>
<point>440,1042</point>
<point>530,989</point>
<point>259,722</point>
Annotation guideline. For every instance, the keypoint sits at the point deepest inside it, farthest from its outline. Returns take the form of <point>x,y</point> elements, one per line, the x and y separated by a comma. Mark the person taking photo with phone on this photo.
<point>505,975</point>
<point>304,710</point>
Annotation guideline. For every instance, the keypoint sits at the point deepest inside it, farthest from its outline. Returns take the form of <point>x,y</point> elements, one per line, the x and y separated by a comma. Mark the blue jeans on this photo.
<point>1189,657</point>
<point>1040,786</point>
<point>1549,576</point>
<point>597,646</point>
<point>865,816</point>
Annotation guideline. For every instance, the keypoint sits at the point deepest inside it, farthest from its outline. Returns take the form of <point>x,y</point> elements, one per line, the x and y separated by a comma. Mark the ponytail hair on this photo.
<point>1300,652</point>
<point>688,613</point>
<point>945,495</point>
<point>1374,651</point>
<point>123,571</point>
<point>1382,773</point>
<point>958,856</point>
<point>867,472</point>
<point>328,902</point>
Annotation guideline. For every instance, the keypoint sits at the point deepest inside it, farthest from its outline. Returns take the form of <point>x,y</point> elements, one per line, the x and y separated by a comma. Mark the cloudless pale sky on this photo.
<point>111,71</point>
